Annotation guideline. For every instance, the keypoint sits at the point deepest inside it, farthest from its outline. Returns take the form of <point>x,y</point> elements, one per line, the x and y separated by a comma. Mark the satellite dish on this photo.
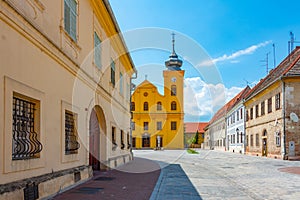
<point>294,117</point>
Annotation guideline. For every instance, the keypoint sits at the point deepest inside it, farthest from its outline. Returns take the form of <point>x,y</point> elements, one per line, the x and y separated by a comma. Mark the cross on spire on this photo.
<point>173,42</point>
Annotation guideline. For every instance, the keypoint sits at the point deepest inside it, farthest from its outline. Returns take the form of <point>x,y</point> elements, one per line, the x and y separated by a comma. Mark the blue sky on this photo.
<point>235,35</point>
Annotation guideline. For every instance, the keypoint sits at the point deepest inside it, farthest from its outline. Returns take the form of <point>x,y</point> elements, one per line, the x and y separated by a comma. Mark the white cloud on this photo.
<point>232,57</point>
<point>203,100</point>
<point>247,51</point>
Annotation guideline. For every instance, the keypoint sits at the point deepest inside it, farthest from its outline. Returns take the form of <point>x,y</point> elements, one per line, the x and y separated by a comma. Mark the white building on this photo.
<point>235,123</point>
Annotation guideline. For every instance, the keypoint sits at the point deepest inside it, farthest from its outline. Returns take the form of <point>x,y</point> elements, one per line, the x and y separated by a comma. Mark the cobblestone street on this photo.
<point>223,175</point>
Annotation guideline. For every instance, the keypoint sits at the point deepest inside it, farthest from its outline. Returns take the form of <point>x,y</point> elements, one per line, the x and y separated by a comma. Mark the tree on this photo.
<point>196,137</point>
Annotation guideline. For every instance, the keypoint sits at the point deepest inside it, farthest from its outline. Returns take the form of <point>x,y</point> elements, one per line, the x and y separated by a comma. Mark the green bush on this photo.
<point>192,151</point>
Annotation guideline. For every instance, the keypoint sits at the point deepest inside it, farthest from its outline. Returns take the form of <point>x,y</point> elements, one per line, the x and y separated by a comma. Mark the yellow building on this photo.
<point>65,96</point>
<point>158,120</point>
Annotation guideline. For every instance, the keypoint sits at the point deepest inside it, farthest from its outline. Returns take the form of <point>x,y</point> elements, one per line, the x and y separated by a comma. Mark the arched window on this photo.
<point>146,108</point>
<point>173,105</point>
<point>132,106</point>
<point>173,90</point>
<point>159,106</point>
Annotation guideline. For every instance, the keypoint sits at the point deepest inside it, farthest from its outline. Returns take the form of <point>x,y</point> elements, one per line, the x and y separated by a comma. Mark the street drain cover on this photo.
<point>87,190</point>
<point>227,167</point>
<point>104,178</point>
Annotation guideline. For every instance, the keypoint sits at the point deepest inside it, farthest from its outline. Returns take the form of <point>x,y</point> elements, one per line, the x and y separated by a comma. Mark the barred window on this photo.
<point>113,135</point>
<point>70,18</point>
<point>25,138</point>
<point>71,143</point>
<point>122,140</point>
<point>173,125</point>
<point>277,101</point>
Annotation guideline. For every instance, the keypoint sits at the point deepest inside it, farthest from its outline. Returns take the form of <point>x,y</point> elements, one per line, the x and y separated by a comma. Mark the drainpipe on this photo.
<point>283,113</point>
<point>130,97</point>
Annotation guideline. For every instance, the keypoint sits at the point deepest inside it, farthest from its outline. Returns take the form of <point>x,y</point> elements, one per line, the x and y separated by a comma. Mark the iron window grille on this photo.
<point>113,137</point>
<point>71,143</point>
<point>25,141</point>
<point>128,141</point>
<point>122,140</point>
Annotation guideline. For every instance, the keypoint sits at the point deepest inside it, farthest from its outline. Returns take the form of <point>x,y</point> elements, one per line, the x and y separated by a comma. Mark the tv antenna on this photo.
<point>274,55</point>
<point>247,82</point>
<point>266,61</point>
<point>291,42</point>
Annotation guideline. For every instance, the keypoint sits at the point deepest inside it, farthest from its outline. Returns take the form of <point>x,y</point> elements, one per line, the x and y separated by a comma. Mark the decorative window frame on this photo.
<point>68,44</point>
<point>12,86</point>
<point>66,158</point>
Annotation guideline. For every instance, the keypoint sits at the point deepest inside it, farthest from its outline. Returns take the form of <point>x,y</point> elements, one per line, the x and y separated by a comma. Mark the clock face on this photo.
<point>173,79</point>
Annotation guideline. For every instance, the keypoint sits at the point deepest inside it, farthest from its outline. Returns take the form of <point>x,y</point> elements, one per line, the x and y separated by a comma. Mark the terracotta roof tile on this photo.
<point>192,127</point>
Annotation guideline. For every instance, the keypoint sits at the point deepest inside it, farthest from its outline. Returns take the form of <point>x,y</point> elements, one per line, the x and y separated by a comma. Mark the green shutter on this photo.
<point>97,50</point>
<point>70,18</point>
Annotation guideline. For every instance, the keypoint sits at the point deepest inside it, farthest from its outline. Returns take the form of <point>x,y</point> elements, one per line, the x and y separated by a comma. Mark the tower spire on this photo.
<point>173,63</point>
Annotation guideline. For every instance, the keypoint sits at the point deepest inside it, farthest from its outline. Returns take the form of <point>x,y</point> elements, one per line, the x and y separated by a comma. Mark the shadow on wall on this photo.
<point>175,182</point>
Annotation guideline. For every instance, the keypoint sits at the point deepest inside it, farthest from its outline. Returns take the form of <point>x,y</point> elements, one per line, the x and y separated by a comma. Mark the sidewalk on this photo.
<point>134,180</point>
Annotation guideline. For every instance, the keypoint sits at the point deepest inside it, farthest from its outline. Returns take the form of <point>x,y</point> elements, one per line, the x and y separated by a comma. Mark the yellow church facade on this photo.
<point>158,120</point>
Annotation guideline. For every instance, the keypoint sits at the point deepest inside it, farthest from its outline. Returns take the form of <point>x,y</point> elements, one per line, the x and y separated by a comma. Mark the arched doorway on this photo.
<point>264,144</point>
<point>97,139</point>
